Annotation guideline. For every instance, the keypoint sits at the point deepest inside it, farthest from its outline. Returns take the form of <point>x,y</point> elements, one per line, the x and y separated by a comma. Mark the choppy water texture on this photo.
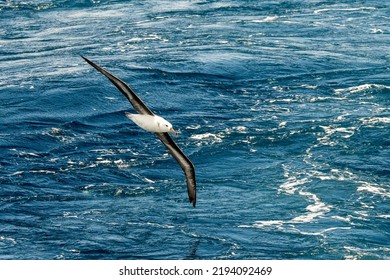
<point>283,107</point>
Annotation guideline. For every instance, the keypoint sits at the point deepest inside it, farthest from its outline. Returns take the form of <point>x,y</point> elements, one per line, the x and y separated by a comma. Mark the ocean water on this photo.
<point>282,106</point>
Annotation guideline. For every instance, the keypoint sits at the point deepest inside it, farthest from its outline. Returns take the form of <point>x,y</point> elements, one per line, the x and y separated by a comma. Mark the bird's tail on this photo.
<point>129,115</point>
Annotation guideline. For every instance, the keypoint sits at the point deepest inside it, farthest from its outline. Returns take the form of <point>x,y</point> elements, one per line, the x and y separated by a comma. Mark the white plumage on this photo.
<point>151,123</point>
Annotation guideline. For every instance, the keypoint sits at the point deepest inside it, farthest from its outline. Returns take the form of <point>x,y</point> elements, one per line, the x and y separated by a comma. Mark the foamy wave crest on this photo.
<point>354,253</point>
<point>266,19</point>
<point>60,135</point>
<point>335,132</point>
<point>151,224</point>
<point>296,185</point>
<point>315,210</point>
<point>374,188</point>
<point>375,120</point>
<point>7,239</point>
<point>344,9</point>
<point>207,138</point>
<point>292,184</point>
<point>364,87</point>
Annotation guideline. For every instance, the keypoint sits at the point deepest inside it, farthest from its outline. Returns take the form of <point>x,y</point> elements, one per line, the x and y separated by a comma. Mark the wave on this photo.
<point>41,5</point>
<point>374,189</point>
<point>364,87</point>
<point>207,138</point>
<point>373,121</point>
<point>151,224</point>
<point>294,185</point>
<point>355,253</point>
<point>119,190</point>
<point>27,5</point>
<point>265,19</point>
<point>344,9</point>
<point>4,239</point>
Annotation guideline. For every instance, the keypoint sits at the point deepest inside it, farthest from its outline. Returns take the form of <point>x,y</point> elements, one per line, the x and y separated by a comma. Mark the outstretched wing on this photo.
<point>137,103</point>
<point>166,139</point>
<point>184,163</point>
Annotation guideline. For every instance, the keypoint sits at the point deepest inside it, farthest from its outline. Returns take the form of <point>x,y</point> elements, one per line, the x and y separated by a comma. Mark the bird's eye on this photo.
<point>166,125</point>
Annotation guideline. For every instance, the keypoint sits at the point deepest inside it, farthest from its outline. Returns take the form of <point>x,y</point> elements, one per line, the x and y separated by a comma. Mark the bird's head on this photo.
<point>166,126</point>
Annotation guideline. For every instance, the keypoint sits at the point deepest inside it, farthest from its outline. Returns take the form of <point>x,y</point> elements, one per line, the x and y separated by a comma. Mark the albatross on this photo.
<point>149,121</point>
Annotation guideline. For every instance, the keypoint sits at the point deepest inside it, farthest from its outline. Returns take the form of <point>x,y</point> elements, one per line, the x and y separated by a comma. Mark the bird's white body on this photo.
<point>151,123</point>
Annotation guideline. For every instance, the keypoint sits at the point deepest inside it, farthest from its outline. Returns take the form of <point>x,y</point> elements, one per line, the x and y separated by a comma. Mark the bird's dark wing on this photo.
<point>184,162</point>
<point>137,103</point>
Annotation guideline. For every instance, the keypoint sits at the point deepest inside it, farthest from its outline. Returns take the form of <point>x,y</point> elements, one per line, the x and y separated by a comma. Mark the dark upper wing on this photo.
<point>137,103</point>
<point>184,162</point>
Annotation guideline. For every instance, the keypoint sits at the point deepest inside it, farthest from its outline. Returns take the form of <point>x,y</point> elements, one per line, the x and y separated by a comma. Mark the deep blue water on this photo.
<point>283,107</point>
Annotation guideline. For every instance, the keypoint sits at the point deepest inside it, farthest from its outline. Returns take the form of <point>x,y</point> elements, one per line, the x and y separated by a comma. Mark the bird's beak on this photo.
<point>174,131</point>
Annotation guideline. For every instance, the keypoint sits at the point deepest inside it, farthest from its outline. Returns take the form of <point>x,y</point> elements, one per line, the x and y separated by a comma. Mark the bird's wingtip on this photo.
<point>86,59</point>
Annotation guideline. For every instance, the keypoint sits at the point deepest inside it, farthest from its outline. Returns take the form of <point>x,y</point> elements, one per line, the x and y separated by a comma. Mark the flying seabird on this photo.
<point>149,121</point>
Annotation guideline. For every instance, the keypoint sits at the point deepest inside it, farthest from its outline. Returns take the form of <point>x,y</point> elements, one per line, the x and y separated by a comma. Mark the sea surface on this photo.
<point>282,106</point>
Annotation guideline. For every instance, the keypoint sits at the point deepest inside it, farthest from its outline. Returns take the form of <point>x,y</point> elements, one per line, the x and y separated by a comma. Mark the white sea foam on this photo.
<point>291,186</point>
<point>314,210</point>
<point>352,253</point>
<point>69,215</point>
<point>317,209</point>
<point>321,232</point>
<point>295,184</point>
<point>60,135</point>
<point>326,98</point>
<point>240,129</point>
<point>83,15</point>
<point>8,239</point>
<point>149,37</point>
<point>373,188</point>
<point>103,161</point>
<point>363,87</point>
<point>344,9</point>
<point>362,214</point>
<point>17,173</point>
<point>120,163</point>
<point>309,86</point>
<point>343,219</point>
<point>265,19</point>
<point>331,133</point>
<point>150,224</point>
<point>282,124</point>
<point>147,180</point>
<point>334,174</point>
<point>355,253</point>
<point>194,127</point>
<point>28,154</point>
<point>384,216</point>
<point>376,31</point>
<point>262,224</point>
<point>207,138</point>
<point>43,171</point>
<point>375,120</point>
